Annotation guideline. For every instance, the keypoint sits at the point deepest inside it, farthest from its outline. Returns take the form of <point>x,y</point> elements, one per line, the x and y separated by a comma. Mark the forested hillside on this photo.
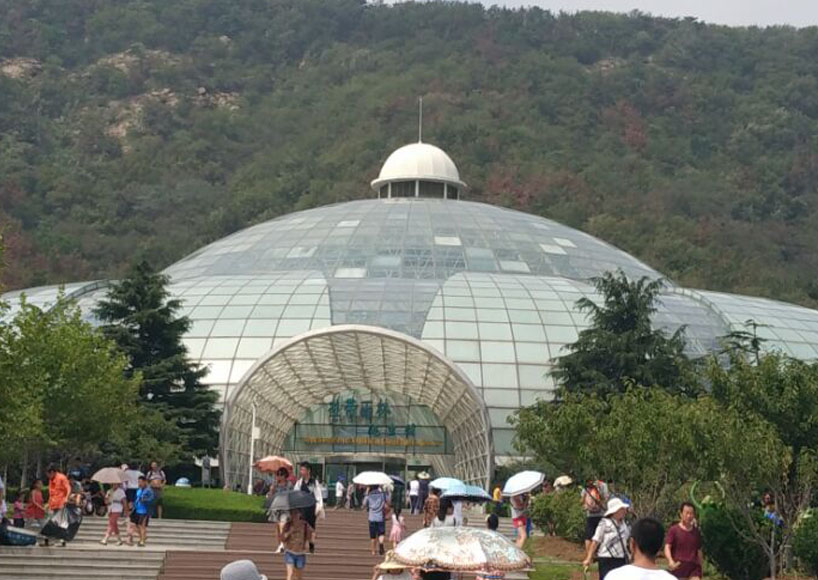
<point>145,128</point>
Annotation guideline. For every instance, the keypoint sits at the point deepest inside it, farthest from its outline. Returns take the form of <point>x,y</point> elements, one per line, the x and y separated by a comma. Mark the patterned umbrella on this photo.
<point>273,463</point>
<point>523,482</point>
<point>461,549</point>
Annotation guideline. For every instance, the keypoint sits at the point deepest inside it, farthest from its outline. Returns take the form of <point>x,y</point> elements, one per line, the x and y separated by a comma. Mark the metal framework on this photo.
<point>311,368</point>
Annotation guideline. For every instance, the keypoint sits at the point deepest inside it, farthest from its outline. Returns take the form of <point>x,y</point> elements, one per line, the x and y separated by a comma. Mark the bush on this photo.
<point>805,543</point>
<point>559,513</point>
<point>213,504</point>
<point>732,555</point>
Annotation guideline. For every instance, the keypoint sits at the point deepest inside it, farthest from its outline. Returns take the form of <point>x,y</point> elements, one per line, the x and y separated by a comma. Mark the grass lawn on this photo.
<point>212,504</point>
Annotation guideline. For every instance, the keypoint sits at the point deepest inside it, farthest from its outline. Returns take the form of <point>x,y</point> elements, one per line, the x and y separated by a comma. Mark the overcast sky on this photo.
<point>731,12</point>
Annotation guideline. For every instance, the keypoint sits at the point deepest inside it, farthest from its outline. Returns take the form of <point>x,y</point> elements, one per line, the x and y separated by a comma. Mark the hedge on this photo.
<point>212,504</point>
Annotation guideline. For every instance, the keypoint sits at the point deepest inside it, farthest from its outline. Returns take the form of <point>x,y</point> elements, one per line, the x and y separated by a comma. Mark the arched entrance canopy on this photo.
<point>308,369</point>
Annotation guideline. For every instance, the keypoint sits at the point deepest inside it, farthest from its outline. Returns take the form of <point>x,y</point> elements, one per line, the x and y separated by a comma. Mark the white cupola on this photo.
<point>419,170</point>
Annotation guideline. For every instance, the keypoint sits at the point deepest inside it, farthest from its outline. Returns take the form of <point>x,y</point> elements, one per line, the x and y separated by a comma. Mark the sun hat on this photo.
<point>241,570</point>
<point>614,505</point>
<point>390,563</point>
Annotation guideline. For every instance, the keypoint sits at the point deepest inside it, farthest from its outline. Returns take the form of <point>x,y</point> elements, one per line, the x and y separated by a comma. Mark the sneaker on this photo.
<point>141,544</point>
<point>119,543</point>
<point>104,542</point>
<point>279,549</point>
<point>62,543</point>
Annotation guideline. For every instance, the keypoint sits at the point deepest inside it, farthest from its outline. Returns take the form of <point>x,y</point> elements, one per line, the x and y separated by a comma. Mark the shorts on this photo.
<point>140,519</point>
<point>520,522</point>
<point>297,561</point>
<point>131,495</point>
<point>376,529</point>
<point>688,570</point>
<point>157,496</point>
<point>590,526</point>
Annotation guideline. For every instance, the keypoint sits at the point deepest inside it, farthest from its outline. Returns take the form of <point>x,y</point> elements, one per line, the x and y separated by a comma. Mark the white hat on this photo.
<point>614,505</point>
<point>241,570</point>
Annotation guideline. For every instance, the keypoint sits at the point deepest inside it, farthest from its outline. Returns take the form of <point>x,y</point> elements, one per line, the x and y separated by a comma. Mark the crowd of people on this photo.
<point>138,498</point>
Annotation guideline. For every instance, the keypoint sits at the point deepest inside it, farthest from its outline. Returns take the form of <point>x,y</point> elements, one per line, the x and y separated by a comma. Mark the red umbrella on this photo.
<point>273,463</point>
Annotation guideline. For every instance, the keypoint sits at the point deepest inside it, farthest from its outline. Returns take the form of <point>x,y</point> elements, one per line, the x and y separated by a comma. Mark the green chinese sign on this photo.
<point>349,423</point>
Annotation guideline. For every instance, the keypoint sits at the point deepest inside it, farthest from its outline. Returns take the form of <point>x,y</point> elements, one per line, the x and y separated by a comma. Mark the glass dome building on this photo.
<point>403,331</point>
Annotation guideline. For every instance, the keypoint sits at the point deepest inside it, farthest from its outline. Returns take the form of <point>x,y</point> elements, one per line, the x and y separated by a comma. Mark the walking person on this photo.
<point>308,484</point>
<point>340,493</point>
<point>19,511</point>
<point>519,516</point>
<point>294,533</point>
<point>115,500</point>
<point>35,512</point>
<point>610,540</point>
<point>398,528</point>
<point>594,496</point>
<point>131,484</point>
<point>157,481</point>
<point>414,490</point>
<point>376,505</point>
<point>683,545</point>
<point>645,542</point>
<point>430,508</point>
<point>141,513</point>
<point>59,490</point>
<point>423,490</point>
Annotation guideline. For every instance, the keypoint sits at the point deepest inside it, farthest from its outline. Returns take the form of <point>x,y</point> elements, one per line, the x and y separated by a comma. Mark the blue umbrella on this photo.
<point>444,483</point>
<point>398,480</point>
<point>470,493</point>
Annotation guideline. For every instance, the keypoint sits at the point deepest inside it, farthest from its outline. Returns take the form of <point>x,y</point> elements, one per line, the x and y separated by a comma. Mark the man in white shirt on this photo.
<point>340,493</point>
<point>647,538</point>
<point>414,490</point>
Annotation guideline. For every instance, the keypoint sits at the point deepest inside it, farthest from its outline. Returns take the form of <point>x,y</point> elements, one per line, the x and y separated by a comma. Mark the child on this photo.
<point>36,508</point>
<point>398,527</point>
<point>492,522</point>
<point>293,532</point>
<point>390,569</point>
<point>19,513</point>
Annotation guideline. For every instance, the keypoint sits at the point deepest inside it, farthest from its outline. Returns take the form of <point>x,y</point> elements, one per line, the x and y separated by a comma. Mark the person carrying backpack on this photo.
<point>595,496</point>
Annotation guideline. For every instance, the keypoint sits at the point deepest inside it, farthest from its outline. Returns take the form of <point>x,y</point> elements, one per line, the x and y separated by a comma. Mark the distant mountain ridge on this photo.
<point>147,128</point>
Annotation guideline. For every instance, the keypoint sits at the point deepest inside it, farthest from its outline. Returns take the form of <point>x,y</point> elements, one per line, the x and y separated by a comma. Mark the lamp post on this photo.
<point>254,434</point>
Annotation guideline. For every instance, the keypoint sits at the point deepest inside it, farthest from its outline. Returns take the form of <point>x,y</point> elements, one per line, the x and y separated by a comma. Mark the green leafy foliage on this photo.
<point>621,347</point>
<point>732,553</point>
<point>140,317</point>
<point>805,543</point>
<point>691,146</point>
<point>559,513</point>
<point>62,383</point>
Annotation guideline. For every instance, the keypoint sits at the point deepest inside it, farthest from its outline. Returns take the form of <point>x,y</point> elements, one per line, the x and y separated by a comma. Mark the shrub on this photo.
<point>559,513</point>
<point>733,555</point>
<point>805,543</point>
<point>213,504</point>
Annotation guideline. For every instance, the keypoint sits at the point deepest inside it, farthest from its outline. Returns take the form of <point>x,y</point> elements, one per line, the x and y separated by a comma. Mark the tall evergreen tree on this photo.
<point>142,318</point>
<point>621,347</point>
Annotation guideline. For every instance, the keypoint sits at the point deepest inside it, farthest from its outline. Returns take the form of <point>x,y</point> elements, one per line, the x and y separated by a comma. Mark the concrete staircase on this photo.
<point>167,534</point>
<point>78,562</point>
<point>85,558</point>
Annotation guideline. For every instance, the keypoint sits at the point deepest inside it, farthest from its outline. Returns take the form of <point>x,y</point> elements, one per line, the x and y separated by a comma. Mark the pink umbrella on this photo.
<point>273,463</point>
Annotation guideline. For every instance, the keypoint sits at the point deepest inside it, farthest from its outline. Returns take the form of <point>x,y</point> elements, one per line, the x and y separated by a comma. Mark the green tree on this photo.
<point>621,347</point>
<point>63,385</point>
<point>782,393</point>
<point>141,318</point>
